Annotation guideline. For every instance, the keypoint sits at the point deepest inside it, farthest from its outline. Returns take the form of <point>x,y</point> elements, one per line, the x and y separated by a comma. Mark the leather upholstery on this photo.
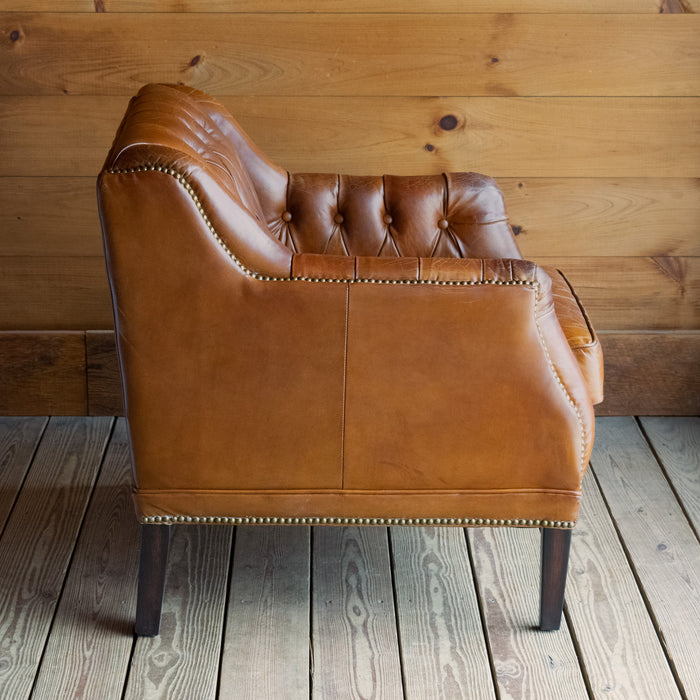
<point>333,346</point>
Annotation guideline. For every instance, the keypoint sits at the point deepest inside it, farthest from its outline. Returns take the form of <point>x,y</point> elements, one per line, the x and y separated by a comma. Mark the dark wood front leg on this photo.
<point>555,560</point>
<point>154,558</point>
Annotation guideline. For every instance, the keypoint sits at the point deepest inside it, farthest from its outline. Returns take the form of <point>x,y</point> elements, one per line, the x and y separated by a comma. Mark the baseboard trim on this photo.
<point>77,373</point>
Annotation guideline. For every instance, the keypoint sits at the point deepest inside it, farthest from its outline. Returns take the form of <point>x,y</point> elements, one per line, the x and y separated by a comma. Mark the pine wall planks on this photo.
<point>589,119</point>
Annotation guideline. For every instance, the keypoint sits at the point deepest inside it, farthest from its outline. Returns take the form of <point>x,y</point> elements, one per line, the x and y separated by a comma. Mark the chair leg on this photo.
<point>555,560</point>
<point>154,558</point>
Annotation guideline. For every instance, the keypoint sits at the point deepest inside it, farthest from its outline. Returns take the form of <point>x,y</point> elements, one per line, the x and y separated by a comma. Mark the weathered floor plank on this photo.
<point>266,654</point>
<point>616,639</point>
<point>18,441</point>
<point>528,663</point>
<point>658,537</point>
<point>677,443</point>
<point>354,639</point>
<point>183,661</point>
<point>88,652</point>
<point>443,650</point>
<point>38,541</point>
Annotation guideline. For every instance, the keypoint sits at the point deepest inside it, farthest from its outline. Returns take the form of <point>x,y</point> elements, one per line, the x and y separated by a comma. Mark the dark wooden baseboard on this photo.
<point>77,373</point>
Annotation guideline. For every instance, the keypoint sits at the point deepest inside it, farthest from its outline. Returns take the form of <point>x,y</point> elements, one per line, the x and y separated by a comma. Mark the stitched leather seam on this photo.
<point>271,278</point>
<point>307,520</point>
<point>345,383</point>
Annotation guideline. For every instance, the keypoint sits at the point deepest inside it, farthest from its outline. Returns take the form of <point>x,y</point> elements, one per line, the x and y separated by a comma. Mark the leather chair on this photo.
<point>328,349</point>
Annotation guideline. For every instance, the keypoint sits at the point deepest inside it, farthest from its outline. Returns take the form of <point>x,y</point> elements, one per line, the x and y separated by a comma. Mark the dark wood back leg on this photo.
<point>555,560</point>
<point>154,558</point>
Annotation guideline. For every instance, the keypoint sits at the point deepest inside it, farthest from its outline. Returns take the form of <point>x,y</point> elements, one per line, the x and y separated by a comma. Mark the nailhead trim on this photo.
<point>267,278</point>
<point>414,522</point>
<point>570,400</point>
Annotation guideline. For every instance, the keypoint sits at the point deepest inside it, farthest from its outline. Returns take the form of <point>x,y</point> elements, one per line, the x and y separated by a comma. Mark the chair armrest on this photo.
<point>579,332</point>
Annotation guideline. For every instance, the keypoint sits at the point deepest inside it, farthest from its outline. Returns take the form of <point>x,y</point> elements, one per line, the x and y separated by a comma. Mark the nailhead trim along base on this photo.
<point>414,522</point>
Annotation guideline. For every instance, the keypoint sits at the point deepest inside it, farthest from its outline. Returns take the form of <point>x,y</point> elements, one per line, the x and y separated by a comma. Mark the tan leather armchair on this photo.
<point>331,349</point>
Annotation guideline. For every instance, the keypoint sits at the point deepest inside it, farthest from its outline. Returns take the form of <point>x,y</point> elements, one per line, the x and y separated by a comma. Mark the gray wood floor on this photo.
<point>273,612</point>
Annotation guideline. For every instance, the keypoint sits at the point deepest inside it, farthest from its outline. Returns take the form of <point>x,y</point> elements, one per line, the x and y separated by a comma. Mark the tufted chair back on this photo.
<point>456,215</point>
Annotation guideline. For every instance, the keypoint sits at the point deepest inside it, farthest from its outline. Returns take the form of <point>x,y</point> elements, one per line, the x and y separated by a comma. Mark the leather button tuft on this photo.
<point>338,218</point>
<point>286,216</point>
<point>443,224</point>
<point>388,218</point>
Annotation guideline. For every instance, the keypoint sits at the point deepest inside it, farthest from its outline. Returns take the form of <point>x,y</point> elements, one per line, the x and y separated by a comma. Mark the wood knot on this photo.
<point>448,122</point>
<point>15,35</point>
<point>429,147</point>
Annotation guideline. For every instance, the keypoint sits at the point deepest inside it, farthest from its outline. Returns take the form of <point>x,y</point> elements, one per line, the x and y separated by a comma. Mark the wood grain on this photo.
<point>345,6</point>
<point>265,652</point>
<point>615,637</point>
<point>36,546</point>
<point>42,373</point>
<point>676,442</point>
<point>48,216</point>
<point>657,536</point>
<point>326,54</point>
<point>183,662</point>
<point>54,294</point>
<point>635,293</point>
<point>18,440</point>
<point>104,388</point>
<point>528,663</point>
<point>651,373</point>
<point>566,136</point>
<point>604,216</point>
<point>88,652</point>
<point>354,639</point>
<point>443,650</point>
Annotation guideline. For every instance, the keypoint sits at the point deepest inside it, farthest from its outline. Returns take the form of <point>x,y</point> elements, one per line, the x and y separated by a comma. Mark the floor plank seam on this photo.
<point>579,653</point>
<point>482,617</point>
<point>392,573</point>
<point>672,486</point>
<point>30,462</point>
<point>642,590</point>
<point>59,598</point>
<point>312,532</point>
<point>227,602</point>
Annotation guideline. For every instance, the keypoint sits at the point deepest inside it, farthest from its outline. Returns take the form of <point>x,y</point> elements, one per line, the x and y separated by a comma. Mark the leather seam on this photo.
<point>345,384</point>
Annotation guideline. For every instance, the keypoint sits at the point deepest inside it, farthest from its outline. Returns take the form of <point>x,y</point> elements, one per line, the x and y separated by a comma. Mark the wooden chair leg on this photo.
<point>154,558</point>
<point>555,560</point>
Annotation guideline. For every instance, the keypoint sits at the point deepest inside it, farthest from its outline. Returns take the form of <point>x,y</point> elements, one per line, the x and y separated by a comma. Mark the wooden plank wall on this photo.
<point>588,114</point>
